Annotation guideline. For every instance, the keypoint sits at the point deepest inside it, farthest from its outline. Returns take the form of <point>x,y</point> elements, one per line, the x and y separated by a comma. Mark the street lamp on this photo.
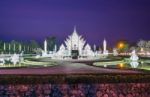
<point>121,45</point>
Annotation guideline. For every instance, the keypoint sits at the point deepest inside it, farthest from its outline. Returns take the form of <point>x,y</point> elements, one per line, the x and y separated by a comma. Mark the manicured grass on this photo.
<point>145,67</point>
<point>26,62</point>
<point>107,63</point>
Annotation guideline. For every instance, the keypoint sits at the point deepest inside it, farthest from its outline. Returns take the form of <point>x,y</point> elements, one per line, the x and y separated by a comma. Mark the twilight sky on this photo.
<point>95,19</point>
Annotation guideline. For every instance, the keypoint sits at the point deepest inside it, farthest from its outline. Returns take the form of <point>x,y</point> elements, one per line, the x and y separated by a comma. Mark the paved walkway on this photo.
<point>66,68</point>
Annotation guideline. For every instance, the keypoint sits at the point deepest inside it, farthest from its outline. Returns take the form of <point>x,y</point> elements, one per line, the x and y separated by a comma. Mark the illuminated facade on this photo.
<point>75,45</point>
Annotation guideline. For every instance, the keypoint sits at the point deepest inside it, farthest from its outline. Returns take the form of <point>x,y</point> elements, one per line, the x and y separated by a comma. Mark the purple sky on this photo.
<point>94,19</point>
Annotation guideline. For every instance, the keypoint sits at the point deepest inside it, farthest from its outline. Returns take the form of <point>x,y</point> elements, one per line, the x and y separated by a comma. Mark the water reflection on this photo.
<point>123,65</point>
<point>134,64</point>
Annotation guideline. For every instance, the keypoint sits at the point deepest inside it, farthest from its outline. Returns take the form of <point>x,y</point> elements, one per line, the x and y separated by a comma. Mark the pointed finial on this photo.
<point>104,39</point>
<point>75,29</point>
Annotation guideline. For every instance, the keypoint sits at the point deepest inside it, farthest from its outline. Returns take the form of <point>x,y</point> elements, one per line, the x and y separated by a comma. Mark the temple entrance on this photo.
<point>74,54</point>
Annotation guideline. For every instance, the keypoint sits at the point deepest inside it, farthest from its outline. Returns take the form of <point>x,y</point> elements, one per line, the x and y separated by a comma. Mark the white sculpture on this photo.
<point>134,56</point>
<point>61,51</point>
<point>37,56</point>
<point>15,59</point>
<point>21,54</point>
<point>44,53</point>
<point>105,51</point>
<point>45,46</point>
<point>115,53</point>
<point>94,47</point>
<point>88,51</point>
<point>2,61</point>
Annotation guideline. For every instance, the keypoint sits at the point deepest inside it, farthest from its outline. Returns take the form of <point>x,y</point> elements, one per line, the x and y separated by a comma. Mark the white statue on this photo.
<point>61,50</point>
<point>44,54</point>
<point>15,59</point>
<point>21,54</point>
<point>115,53</point>
<point>88,50</point>
<point>2,61</point>
<point>37,56</point>
<point>134,56</point>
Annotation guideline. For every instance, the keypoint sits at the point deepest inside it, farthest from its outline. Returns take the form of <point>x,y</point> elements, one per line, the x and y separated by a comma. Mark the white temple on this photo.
<point>74,47</point>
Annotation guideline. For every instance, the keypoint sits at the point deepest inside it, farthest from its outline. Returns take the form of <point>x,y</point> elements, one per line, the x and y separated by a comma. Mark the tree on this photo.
<point>148,44</point>
<point>13,46</point>
<point>141,44</point>
<point>1,45</point>
<point>51,42</point>
<point>132,48</point>
<point>122,46</point>
<point>33,46</point>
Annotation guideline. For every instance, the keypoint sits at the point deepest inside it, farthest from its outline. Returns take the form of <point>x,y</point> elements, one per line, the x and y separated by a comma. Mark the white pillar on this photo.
<point>55,48</point>
<point>105,51</point>
<point>45,46</point>
<point>104,45</point>
<point>94,47</point>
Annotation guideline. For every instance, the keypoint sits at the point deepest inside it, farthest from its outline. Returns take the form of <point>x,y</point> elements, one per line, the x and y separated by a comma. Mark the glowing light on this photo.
<point>121,45</point>
<point>121,65</point>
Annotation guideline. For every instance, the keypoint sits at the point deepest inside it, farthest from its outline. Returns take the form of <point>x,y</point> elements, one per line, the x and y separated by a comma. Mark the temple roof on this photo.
<point>75,32</point>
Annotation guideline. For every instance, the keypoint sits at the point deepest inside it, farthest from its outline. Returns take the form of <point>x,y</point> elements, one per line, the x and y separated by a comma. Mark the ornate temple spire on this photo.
<point>75,30</point>
<point>105,39</point>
